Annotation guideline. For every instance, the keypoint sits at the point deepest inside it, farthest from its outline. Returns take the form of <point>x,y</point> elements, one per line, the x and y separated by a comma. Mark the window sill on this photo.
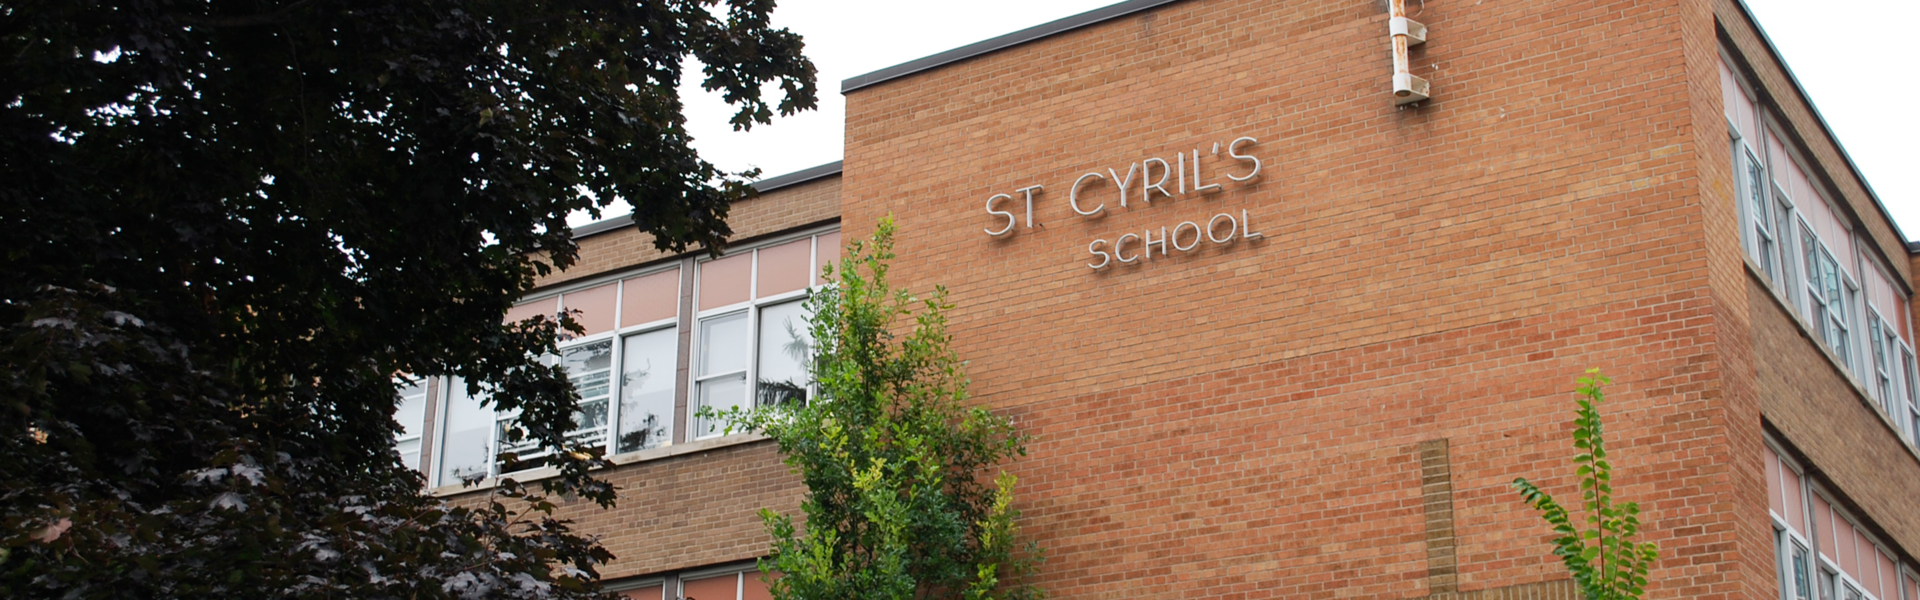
<point>617,461</point>
<point>1860,392</point>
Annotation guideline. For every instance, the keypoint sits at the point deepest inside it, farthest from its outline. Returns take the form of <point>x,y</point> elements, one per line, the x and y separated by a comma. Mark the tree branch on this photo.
<point>284,15</point>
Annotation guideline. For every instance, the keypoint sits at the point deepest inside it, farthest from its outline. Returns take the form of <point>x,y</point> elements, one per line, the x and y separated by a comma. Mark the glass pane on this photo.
<point>467,440</point>
<point>725,281</point>
<point>650,298</point>
<point>783,268</point>
<point>409,453</point>
<point>1809,252</point>
<point>595,306</point>
<point>721,394</point>
<point>785,349</point>
<point>412,412</point>
<point>646,390</point>
<point>590,366</point>
<point>723,344</point>
<point>1801,587</point>
<point>1757,190</point>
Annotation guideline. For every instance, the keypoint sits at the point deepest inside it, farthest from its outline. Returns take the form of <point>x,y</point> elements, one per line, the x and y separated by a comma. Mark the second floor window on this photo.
<point>752,340</point>
<point>1829,296</point>
<point>747,342</point>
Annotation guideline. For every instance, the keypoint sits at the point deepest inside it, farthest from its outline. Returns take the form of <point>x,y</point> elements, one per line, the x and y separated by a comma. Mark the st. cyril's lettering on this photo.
<point>1185,175</point>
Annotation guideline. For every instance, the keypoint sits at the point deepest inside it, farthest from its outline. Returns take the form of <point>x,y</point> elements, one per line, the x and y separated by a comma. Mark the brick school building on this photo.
<point>1282,333</point>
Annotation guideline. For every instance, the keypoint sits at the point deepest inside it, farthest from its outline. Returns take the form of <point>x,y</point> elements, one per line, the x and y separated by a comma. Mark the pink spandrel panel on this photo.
<point>827,252</point>
<point>724,587</point>
<point>1777,157</point>
<point>725,281</point>
<point>528,310</point>
<point>1729,90</point>
<point>783,268</point>
<point>1889,577</point>
<point>1823,521</point>
<point>1843,540</point>
<point>1775,498</point>
<point>652,592</point>
<point>1796,514</point>
<point>752,587</point>
<point>650,298</point>
<point>595,306</point>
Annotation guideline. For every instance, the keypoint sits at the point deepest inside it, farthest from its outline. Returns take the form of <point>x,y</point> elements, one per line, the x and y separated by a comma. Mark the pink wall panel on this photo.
<point>596,305</point>
<point>527,310</point>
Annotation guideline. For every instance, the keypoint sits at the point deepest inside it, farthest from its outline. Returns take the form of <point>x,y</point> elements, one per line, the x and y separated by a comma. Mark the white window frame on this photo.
<point>1880,340</point>
<point>1755,192</point>
<point>1786,231</point>
<point>1911,375</point>
<point>620,364</point>
<point>426,396</point>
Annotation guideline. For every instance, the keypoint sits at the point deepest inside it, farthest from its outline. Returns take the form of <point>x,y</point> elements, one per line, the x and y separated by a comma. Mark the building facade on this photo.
<point>1279,336</point>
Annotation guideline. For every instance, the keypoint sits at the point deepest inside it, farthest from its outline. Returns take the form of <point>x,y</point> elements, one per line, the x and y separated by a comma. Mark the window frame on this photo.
<point>1880,336</point>
<point>753,307</point>
<point>1911,373</point>
<point>427,392</point>
<point>620,337</point>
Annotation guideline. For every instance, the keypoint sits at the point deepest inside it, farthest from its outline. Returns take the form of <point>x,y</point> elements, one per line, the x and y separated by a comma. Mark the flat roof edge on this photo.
<point>763,186</point>
<point>1000,43</point>
<point>798,177</point>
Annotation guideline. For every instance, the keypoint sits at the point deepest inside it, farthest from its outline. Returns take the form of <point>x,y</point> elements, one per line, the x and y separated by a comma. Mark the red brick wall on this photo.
<point>1849,445</point>
<point>1244,422</point>
<point>686,511</point>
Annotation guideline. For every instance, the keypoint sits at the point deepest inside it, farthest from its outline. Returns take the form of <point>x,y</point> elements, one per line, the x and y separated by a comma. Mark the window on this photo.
<point>412,415</point>
<point>1826,583</point>
<point>752,339</point>
<point>590,367</point>
<point>749,343</point>
<point>736,582</point>
<point>1913,397</point>
<point>466,436</point>
<point>735,585</point>
<point>1755,183</point>
<point>1827,304</point>
<point>1878,336</point>
<point>623,365</point>
<point>1801,587</point>
<point>1784,220</point>
<point>646,389</point>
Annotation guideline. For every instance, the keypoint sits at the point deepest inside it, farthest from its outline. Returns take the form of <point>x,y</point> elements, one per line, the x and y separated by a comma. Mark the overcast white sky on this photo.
<point>1851,55</point>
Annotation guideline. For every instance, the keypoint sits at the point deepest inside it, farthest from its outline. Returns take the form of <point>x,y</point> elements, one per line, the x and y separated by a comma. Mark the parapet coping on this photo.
<point>1010,40</point>
<point>762,186</point>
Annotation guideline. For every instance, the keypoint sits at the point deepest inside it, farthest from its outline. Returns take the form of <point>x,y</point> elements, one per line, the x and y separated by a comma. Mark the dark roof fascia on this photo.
<point>762,186</point>
<point>1000,43</point>
<point>798,177</point>
<point>1774,53</point>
